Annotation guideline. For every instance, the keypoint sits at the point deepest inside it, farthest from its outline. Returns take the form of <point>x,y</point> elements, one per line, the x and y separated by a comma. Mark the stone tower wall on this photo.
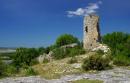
<point>91,32</point>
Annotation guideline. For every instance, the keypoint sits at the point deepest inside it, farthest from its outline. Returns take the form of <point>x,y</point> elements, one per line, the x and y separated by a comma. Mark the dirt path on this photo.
<point>116,75</point>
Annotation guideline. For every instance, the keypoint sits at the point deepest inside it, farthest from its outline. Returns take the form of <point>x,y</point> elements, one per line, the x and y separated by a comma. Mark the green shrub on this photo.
<point>101,52</point>
<point>76,51</point>
<point>46,50</point>
<point>121,60</point>
<point>61,53</point>
<point>45,60</point>
<point>96,62</point>
<point>119,43</point>
<point>7,55</point>
<point>41,50</point>
<point>2,68</point>
<point>73,60</point>
<point>30,71</point>
<point>10,70</point>
<point>24,56</point>
<point>34,61</point>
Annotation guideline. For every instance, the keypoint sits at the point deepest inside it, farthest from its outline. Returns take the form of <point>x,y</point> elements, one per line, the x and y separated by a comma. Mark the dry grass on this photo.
<point>57,68</point>
<point>87,81</point>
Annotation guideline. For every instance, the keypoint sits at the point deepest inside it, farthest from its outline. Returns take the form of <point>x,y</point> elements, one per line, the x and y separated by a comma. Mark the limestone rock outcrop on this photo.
<point>44,56</point>
<point>102,47</point>
<point>70,45</point>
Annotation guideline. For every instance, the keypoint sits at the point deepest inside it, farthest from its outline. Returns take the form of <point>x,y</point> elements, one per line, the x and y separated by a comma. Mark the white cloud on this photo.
<point>99,2</point>
<point>90,9</point>
<point>79,11</point>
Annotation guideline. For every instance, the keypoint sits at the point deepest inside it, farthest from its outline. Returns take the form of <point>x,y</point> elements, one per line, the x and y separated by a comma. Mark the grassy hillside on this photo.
<point>58,68</point>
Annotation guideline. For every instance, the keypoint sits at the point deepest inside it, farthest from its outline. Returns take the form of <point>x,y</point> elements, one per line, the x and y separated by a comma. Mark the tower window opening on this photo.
<point>86,29</point>
<point>90,16</point>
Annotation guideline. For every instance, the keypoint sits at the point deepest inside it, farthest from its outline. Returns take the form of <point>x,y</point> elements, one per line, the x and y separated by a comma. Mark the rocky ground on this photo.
<point>116,75</point>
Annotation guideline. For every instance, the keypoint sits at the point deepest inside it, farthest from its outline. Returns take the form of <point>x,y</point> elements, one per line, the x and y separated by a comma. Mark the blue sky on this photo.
<point>35,23</point>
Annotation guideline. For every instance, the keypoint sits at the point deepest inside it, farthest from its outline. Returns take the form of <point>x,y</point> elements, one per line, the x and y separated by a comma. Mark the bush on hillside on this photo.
<point>96,62</point>
<point>34,61</point>
<point>10,70</point>
<point>121,60</point>
<point>73,60</point>
<point>119,43</point>
<point>100,52</point>
<point>46,50</point>
<point>76,51</point>
<point>2,67</point>
<point>30,71</point>
<point>61,53</point>
<point>24,56</point>
<point>41,50</point>
<point>46,60</point>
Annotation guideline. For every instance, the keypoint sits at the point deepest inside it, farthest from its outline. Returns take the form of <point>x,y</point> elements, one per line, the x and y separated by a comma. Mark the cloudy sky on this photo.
<point>34,23</point>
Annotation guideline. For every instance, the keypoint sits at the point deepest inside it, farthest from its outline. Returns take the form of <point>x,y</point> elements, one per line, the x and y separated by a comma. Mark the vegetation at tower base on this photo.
<point>119,43</point>
<point>61,53</point>
<point>97,61</point>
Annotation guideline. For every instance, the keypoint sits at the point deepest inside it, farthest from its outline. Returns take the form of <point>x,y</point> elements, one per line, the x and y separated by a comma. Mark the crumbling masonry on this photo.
<point>91,31</point>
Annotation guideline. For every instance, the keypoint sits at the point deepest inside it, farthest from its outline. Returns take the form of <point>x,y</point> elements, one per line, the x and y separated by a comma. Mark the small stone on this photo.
<point>76,65</point>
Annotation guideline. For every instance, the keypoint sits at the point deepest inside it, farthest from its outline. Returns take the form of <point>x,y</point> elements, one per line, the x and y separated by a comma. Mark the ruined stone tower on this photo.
<point>91,30</point>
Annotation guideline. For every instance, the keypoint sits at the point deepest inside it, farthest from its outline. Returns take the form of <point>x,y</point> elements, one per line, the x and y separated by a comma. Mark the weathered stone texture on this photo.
<point>91,32</point>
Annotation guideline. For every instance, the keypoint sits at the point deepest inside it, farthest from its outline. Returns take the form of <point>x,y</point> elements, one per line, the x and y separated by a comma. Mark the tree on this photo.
<point>66,39</point>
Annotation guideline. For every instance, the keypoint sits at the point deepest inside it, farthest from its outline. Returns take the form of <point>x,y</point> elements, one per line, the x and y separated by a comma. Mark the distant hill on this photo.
<point>7,50</point>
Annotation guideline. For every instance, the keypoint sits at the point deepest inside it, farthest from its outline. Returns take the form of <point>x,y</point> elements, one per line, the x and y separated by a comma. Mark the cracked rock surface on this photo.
<point>116,75</point>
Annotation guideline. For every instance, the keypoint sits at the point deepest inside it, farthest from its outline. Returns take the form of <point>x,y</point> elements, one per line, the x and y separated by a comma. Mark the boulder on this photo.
<point>77,65</point>
<point>49,55</point>
<point>70,45</point>
<point>41,58</point>
<point>44,56</point>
